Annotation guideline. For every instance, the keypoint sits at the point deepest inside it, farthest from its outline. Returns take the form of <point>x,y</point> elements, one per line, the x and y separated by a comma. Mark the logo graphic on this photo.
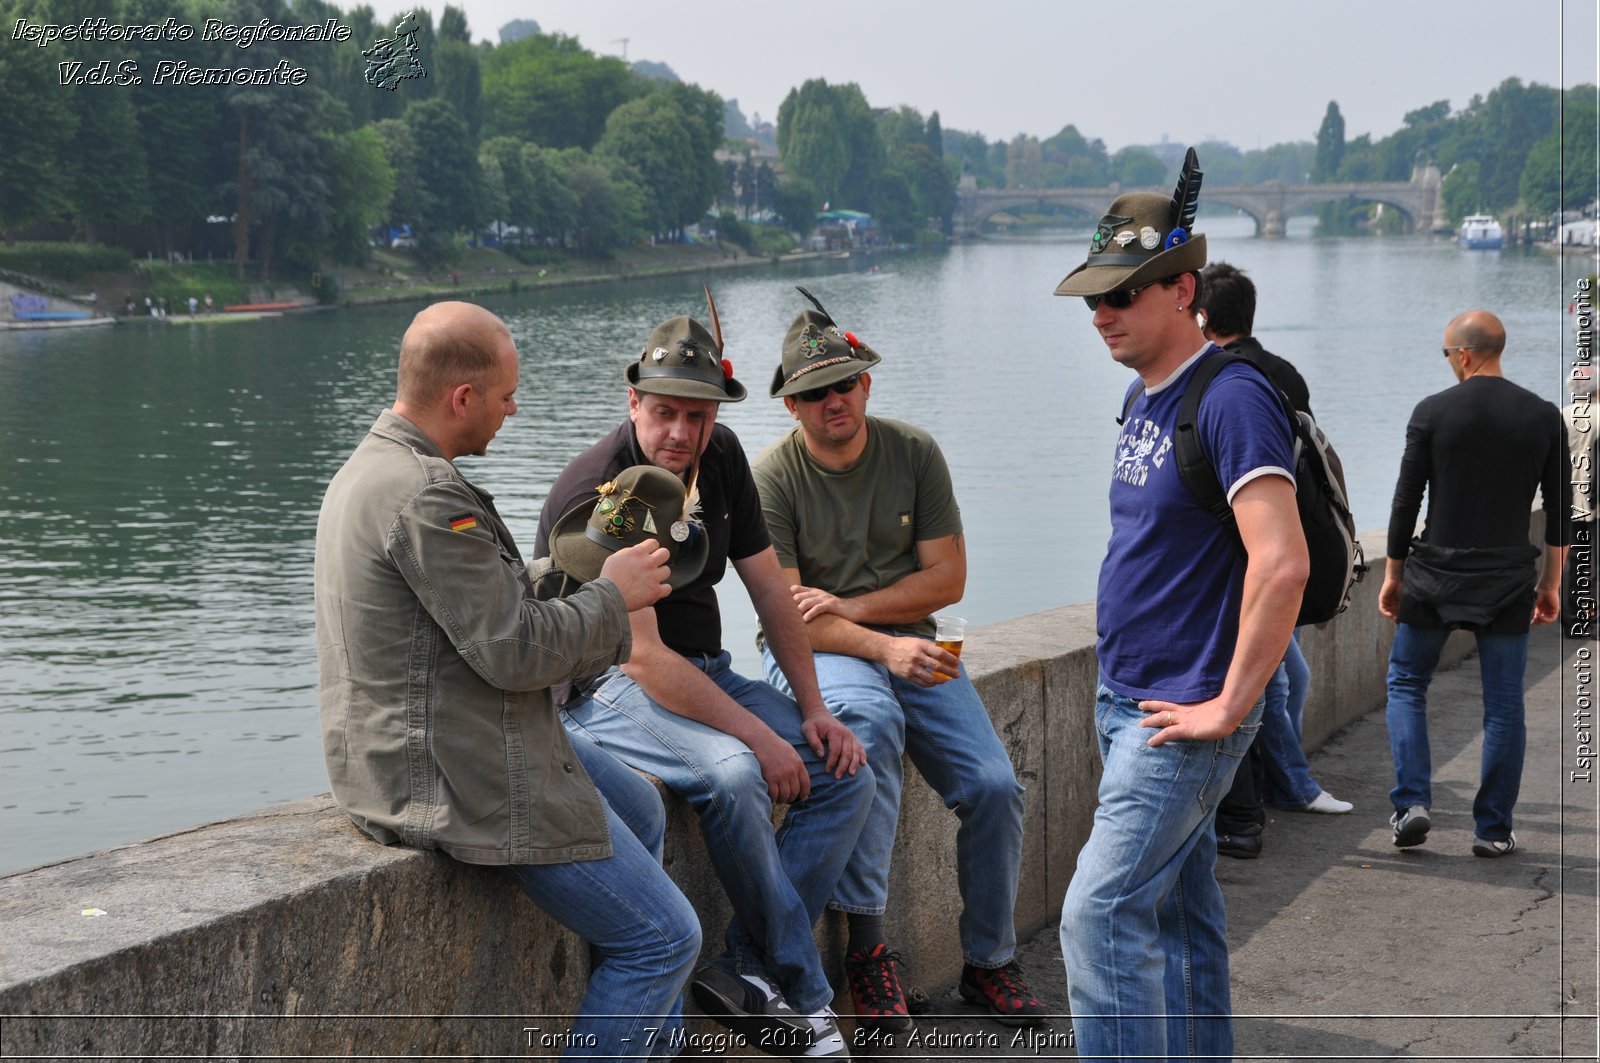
<point>392,60</point>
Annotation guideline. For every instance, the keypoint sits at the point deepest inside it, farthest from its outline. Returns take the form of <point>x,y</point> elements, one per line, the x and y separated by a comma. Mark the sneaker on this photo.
<point>752,1007</point>
<point>1485,847</point>
<point>1005,993</point>
<point>1410,826</point>
<point>1327,803</point>
<point>1239,846</point>
<point>875,991</point>
<point>826,1040</point>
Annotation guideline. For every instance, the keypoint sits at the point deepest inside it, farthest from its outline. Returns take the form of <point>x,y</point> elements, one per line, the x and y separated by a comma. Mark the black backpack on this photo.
<point>1337,562</point>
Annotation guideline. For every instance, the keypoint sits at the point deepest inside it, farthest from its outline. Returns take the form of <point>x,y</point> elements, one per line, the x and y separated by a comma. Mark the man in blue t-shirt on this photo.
<point>1188,637</point>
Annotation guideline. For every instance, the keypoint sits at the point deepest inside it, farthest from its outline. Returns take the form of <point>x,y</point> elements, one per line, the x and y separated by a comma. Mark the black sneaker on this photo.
<point>751,1006</point>
<point>875,991</point>
<point>1004,992</point>
<point>1239,846</point>
<point>1410,826</point>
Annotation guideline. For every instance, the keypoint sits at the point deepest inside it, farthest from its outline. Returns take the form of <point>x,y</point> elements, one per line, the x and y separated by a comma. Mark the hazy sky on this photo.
<point>1251,72</point>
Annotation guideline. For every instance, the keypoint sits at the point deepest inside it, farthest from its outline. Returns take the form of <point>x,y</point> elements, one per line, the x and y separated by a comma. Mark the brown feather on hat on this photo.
<point>1142,238</point>
<point>817,352</point>
<point>683,360</point>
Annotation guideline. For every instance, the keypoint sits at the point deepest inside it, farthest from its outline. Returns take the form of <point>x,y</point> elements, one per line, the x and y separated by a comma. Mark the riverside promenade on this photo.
<point>1346,948</point>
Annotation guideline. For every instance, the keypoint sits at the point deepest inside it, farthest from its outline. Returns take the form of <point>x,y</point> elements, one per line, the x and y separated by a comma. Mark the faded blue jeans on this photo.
<point>1143,927</point>
<point>952,742</point>
<point>1289,783</point>
<point>778,883</point>
<point>1502,662</point>
<point>644,934</point>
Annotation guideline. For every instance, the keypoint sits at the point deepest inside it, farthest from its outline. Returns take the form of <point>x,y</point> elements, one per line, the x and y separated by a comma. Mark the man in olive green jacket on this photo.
<point>436,659</point>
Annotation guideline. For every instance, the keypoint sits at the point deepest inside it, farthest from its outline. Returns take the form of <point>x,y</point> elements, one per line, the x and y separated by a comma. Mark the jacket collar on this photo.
<point>391,425</point>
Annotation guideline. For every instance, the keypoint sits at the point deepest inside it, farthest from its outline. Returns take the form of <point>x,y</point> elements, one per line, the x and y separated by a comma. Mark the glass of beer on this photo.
<point>950,633</point>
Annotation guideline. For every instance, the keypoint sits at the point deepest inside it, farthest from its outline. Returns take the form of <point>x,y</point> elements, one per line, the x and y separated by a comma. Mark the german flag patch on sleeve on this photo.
<point>465,522</point>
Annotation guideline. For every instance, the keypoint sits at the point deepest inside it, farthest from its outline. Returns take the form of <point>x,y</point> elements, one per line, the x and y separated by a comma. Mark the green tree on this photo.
<point>610,200</point>
<point>447,169</point>
<point>107,177</point>
<point>1461,190</point>
<point>811,139</point>
<point>360,186</point>
<point>895,207</point>
<point>1514,118</point>
<point>1559,171</point>
<point>1138,168</point>
<point>1024,162</point>
<point>554,202</point>
<point>795,201</point>
<point>1330,145</point>
<point>550,91</point>
<point>37,125</point>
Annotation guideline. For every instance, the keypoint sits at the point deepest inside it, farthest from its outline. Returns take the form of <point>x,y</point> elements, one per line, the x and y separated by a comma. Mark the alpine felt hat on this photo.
<point>641,502</point>
<point>817,352</point>
<point>1142,238</point>
<point>683,360</point>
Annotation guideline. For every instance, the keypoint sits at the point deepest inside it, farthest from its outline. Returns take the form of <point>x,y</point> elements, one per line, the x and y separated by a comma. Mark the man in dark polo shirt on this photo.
<point>729,745</point>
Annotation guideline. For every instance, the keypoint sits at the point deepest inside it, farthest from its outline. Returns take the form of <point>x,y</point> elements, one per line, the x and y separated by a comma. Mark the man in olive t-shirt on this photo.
<point>868,532</point>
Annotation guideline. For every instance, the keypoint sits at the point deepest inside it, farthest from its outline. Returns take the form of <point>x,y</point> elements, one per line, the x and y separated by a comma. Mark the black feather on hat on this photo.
<point>817,352</point>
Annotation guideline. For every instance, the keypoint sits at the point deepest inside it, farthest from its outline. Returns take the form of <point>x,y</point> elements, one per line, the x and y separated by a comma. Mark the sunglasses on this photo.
<point>1458,347</point>
<point>1118,300</point>
<point>838,387</point>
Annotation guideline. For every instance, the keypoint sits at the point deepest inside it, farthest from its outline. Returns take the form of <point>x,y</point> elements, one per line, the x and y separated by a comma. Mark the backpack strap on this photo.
<point>1195,469</point>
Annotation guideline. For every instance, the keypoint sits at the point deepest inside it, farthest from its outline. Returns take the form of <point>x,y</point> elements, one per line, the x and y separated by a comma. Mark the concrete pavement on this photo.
<point>1344,947</point>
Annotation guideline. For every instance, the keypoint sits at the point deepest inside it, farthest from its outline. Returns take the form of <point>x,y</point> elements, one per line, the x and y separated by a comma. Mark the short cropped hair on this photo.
<point>1230,300</point>
<point>435,358</point>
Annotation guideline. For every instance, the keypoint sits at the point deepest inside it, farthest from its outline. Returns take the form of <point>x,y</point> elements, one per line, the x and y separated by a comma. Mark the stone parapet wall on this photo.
<point>286,932</point>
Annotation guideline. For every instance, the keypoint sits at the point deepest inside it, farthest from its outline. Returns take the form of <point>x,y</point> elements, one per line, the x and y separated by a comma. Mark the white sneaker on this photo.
<point>827,1041</point>
<point>1326,802</point>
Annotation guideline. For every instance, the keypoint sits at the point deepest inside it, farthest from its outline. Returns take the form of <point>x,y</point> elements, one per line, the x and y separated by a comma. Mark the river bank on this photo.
<point>396,276</point>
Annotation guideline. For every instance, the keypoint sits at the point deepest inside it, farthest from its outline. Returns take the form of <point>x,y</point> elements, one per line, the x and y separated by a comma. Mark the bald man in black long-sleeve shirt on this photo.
<point>1480,449</point>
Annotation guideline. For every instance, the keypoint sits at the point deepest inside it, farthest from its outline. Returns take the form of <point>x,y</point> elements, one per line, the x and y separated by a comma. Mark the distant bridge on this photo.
<point>1270,204</point>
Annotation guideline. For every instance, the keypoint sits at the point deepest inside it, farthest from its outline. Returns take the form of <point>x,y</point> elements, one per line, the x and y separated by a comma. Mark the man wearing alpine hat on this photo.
<point>730,746</point>
<point>869,535</point>
<point>1188,636</point>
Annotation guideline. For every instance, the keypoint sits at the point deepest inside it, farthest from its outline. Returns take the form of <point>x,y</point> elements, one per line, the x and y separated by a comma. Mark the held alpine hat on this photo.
<point>682,359</point>
<point>642,502</point>
<point>1144,237</point>
<point>817,352</point>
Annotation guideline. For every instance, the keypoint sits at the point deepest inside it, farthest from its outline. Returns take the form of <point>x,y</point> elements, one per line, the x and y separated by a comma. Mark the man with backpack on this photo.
<point>1275,771</point>
<point>1188,637</point>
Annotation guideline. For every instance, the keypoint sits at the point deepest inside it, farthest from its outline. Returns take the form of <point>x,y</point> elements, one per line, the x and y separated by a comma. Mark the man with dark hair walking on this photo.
<point>1275,771</point>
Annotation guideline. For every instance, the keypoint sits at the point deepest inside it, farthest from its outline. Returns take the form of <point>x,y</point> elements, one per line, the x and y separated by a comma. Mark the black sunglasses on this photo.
<point>1117,300</point>
<point>838,387</point>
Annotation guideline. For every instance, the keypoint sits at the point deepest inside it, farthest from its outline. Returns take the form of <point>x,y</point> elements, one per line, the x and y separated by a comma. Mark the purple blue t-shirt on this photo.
<point>1167,608</point>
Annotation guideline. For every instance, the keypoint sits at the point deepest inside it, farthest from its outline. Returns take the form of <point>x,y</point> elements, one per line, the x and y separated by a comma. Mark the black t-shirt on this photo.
<point>1280,371</point>
<point>689,618</point>
<point>1481,449</point>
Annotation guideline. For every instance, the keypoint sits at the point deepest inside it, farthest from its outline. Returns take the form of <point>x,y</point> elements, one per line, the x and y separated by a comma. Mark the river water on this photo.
<point>159,485</point>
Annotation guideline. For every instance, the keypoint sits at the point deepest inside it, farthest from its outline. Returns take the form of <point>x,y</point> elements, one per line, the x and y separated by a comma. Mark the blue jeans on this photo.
<point>778,883</point>
<point>1502,660</point>
<point>1143,927</point>
<point>1289,782</point>
<point>644,934</point>
<point>952,743</point>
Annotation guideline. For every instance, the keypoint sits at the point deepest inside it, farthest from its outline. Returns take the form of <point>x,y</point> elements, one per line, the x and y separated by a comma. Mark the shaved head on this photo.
<point>1479,330</point>
<point>448,344</point>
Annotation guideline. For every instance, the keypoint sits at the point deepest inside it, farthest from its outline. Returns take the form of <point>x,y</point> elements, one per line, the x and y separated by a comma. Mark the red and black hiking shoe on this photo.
<point>1003,991</point>
<point>875,990</point>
